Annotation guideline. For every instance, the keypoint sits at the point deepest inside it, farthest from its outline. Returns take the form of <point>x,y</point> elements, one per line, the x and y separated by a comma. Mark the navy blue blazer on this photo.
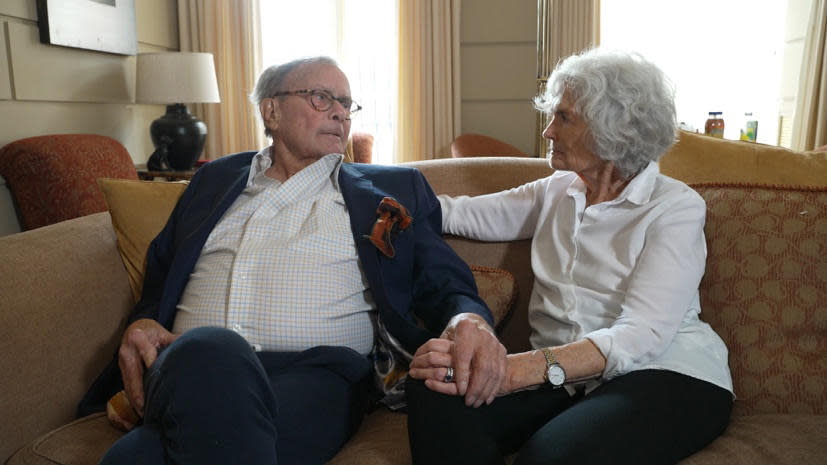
<point>424,280</point>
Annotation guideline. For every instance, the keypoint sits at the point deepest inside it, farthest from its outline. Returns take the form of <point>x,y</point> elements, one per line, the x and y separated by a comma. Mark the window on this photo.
<point>362,38</point>
<point>720,55</point>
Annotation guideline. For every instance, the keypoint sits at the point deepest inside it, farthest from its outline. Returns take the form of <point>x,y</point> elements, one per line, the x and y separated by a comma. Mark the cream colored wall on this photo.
<point>498,58</point>
<point>798,16</point>
<point>47,89</point>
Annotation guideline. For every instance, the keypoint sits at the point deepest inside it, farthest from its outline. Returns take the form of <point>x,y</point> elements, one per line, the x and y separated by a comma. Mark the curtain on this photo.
<point>428,112</point>
<point>564,27</point>
<point>810,121</point>
<point>230,30</point>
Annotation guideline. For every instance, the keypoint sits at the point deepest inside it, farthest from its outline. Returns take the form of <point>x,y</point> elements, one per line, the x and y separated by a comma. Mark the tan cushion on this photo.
<point>764,292</point>
<point>64,296</point>
<point>139,211</point>
<point>699,158</point>
<point>82,442</point>
<point>767,439</point>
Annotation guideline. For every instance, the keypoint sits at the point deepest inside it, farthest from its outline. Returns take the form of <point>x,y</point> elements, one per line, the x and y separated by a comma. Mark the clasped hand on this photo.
<point>470,347</point>
<point>139,348</point>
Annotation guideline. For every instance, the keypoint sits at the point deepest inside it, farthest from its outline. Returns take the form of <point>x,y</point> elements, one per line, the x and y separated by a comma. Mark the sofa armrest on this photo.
<point>64,296</point>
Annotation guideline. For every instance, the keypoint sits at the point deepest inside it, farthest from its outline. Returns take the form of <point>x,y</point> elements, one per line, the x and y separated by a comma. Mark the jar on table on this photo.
<point>714,125</point>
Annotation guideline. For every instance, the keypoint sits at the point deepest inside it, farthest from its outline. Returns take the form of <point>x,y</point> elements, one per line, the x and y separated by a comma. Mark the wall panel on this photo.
<point>5,78</point>
<point>488,71</point>
<point>499,69</point>
<point>498,21</point>
<point>129,124</point>
<point>509,121</point>
<point>157,23</point>
<point>51,73</point>
<point>23,9</point>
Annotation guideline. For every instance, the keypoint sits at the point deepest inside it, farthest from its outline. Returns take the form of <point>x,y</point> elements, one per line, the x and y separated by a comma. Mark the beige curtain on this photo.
<point>428,111</point>
<point>810,122</point>
<point>564,27</point>
<point>230,31</point>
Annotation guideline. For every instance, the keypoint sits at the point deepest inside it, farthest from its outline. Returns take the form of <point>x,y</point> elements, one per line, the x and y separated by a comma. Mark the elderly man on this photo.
<point>277,277</point>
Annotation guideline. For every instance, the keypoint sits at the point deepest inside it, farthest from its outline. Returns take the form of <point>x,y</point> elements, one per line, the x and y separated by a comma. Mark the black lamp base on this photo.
<point>178,137</point>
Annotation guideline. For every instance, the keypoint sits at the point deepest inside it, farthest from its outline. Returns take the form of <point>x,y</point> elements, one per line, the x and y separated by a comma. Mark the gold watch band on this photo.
<point>550,360</point>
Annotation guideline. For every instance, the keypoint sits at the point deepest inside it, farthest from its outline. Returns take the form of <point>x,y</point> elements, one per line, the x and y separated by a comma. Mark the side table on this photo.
<point>150,175</point>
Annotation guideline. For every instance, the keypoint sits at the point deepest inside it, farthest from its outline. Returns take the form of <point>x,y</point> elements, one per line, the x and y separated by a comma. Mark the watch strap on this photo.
<point>550,360</point>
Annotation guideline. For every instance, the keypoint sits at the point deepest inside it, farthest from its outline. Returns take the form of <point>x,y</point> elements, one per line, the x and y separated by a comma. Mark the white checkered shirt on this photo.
<point>281,267</point>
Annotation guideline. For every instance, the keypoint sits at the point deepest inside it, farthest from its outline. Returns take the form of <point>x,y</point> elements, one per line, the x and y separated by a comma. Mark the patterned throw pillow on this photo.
<point>764,292</point>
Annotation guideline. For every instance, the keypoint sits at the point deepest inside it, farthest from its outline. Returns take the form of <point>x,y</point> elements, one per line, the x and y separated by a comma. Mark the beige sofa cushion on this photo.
<point>139,211</point>
<point>764,292</point>
<point>699,158</point>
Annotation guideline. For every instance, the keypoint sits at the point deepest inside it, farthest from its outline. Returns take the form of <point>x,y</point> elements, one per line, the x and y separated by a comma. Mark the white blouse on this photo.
<point>622,273</point>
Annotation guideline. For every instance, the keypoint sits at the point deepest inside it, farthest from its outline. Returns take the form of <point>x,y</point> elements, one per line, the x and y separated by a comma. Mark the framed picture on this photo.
<point>102,25</point>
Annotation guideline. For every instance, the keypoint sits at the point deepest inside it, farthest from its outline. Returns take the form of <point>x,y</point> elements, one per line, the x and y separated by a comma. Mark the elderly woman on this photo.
<point>623,370</point>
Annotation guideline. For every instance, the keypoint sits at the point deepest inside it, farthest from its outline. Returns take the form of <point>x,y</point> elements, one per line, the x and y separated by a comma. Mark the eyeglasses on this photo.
<point>322,100</point>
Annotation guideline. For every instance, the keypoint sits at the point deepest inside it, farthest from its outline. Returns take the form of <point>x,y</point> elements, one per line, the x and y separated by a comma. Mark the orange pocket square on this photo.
<point>393,219</point>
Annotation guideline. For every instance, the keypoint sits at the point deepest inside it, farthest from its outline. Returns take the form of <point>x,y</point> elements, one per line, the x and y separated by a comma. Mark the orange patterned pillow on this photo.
<point>498,289</point>
<point>764,292</point>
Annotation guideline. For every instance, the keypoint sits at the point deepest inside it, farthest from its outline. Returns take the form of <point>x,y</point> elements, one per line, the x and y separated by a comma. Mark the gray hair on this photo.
<point>626,101</point>
<point>271,80</point>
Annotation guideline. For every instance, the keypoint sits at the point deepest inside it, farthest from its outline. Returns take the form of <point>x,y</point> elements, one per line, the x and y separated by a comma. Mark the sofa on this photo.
<point>67,288</point>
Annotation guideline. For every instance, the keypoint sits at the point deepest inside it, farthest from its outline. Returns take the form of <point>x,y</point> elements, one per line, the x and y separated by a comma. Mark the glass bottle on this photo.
<point>750,130</point>
<point>714,125</point>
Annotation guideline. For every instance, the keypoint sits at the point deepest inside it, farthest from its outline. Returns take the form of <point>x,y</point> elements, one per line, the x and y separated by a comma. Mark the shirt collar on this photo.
<point>638,191</point>
<point>263,160</point>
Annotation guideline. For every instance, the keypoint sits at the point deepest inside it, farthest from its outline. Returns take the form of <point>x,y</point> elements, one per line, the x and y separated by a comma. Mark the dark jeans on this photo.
<point>211,400</point>
<point>644,417</point>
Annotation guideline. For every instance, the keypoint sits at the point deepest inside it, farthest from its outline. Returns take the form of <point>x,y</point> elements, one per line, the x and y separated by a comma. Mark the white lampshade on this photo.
<point>176,77</point>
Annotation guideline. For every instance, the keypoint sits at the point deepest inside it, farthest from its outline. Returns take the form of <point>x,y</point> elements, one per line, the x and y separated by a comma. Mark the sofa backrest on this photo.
<point>700,158</point>
<point>64,298</point>
<point>484,175</point>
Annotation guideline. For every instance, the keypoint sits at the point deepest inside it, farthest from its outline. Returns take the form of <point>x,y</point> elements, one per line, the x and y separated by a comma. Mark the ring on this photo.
<point>449,376</point>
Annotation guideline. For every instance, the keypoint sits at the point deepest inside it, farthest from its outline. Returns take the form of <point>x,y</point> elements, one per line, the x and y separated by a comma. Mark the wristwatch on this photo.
<point>555,374</point>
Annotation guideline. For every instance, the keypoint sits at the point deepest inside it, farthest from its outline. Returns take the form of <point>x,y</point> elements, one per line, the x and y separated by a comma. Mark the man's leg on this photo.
<point>141,446</point>
<point>322,394</point>
<point>442,430</point>
<point>210,398</point>
<point>644,417</point>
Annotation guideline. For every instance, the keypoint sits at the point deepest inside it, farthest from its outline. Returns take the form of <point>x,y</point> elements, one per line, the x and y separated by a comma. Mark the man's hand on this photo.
<point>431,362</point>
<point>479,360</point>
<point>139,349</point>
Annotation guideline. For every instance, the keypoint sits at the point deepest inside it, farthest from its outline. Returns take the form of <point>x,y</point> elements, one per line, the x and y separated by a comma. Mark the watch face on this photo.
<point>556,375</point>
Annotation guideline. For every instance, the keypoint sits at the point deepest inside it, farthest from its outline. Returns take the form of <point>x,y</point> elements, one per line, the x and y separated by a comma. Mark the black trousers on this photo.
<point>643,417</point>
<point>211,400</point>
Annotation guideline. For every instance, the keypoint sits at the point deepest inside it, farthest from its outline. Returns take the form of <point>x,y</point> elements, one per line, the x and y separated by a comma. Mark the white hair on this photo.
<point>272,78</point>
<point>626,101</point>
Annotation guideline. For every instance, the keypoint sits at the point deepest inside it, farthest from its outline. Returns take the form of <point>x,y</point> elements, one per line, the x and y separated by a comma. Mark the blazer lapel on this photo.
<point>362,198</point>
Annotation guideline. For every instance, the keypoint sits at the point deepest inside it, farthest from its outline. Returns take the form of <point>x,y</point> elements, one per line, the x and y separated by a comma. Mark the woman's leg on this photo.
<point>644,417</point>
<point>442,430</point>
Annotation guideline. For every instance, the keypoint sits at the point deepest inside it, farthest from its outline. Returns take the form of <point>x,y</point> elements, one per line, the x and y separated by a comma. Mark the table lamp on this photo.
<point>171,78</point>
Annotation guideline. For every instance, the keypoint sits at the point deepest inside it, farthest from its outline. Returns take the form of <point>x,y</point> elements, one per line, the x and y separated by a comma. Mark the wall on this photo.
<point>46,89</point>
<point>798,16</point>
<point>498,54</point>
